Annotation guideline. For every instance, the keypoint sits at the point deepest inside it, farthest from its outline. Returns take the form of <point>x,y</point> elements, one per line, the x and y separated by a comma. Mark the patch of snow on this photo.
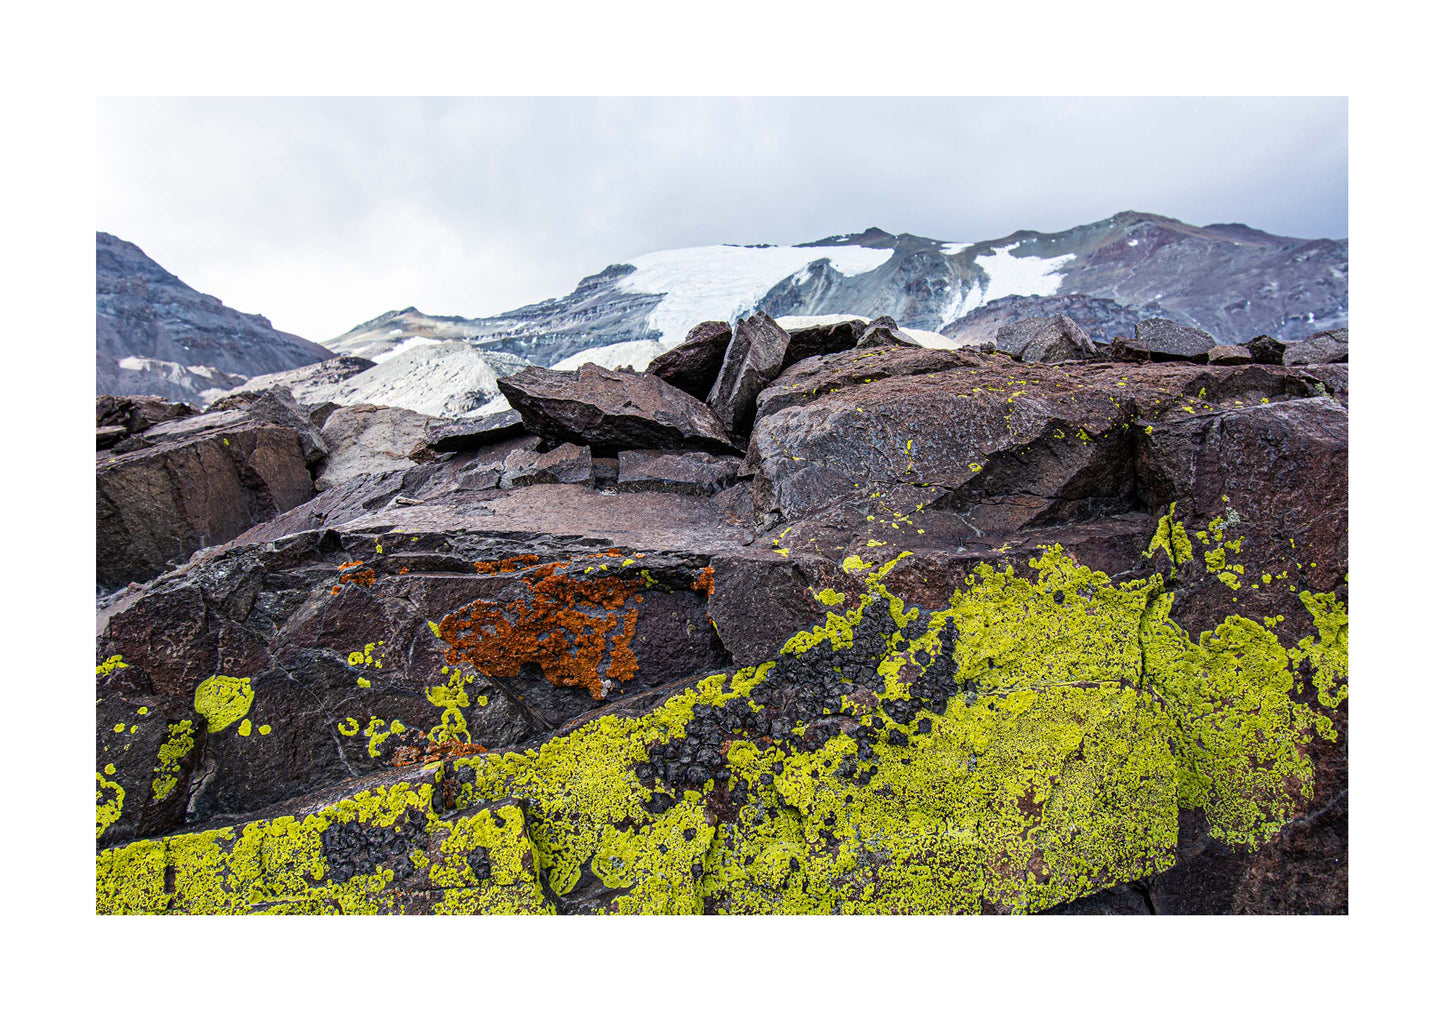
<point>638,354</point>
<point>1133,242</point>
<point>133,363</point>
<point>930,339</point>
<point>447,379</point>
<point>409,343</point>
<point>953,249</point>
<point>725,282</point>
<point>1011,275</point>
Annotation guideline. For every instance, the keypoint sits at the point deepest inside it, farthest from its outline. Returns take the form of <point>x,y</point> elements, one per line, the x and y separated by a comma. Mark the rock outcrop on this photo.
<point>754,357</point>
<point>1167,341</point>
<point>1095,613</point>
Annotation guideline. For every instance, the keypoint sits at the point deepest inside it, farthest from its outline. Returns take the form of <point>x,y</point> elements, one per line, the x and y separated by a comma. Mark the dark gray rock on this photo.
<point>828,339</point>
<point>755,356</point>
<point>1168,341</point>
<point>687,473</point>
<point>1324,348</point>
<point>1266,350</point>
<point>1046,339</point>
<point>693,365</point>
<point>883,332</point>
<point>1230,354</point>
<point>611,410</point>
<point>471,433</point>
<point>278,406</point>
<point>568,464</point>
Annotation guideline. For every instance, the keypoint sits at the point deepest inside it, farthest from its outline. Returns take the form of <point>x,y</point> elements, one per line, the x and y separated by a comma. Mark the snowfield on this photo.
<point>725,282</point>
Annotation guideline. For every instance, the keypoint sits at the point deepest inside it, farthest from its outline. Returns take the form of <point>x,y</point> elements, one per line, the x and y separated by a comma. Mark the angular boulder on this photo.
<point>196,481</point>
<point>754,357</point>
<point>568,464</point>
<point>1267,350</point>
<point>1167,341</point>
<point>693,365</point>
<point>1230,354</point>
<point>367,439</point>
<point>471,433</point>
<point>1325,348</point>
<point>1045,339</point>
<point>823,339</point>
<point>884,332</point>
<point>611,410</point>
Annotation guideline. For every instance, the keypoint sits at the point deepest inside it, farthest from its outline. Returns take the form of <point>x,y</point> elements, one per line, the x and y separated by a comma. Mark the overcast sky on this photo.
<point>322,213</point>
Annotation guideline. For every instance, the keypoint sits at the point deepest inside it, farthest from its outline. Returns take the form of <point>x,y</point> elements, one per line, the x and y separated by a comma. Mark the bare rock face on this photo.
<point>825,339</point>
<point>611,410</point>
<point>1045,339</point>
<point>693,365</point>
<point>189,483</point>
<point>755,356</point>
<point>1326,347</point>
<point>683,473</point>
<point>138,413</point>
<point>366,439</point>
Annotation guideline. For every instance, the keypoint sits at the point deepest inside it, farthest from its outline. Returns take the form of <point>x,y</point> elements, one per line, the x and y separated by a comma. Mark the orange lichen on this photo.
<point>704,581</point>
<point>433,751</point>
<point>511,565</point>
<point>351,574</point>
<point>562,625</point>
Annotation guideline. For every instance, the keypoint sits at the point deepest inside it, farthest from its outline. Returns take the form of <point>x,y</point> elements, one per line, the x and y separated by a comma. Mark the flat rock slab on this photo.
<point>568,464</point>
<point>685,473</point>
<point>611,410</point>
<point>471,433</point>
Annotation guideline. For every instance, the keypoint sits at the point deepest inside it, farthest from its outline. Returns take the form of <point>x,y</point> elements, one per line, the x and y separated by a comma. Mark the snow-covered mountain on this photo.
<point>154,334</point>
<point>1232,280</point>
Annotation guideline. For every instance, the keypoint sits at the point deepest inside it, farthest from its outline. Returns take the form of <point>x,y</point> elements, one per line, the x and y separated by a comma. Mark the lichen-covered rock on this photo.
<point>1030,744</point>
<point>1106,668</point>
<point>611,410</point>
<point>693,365</point>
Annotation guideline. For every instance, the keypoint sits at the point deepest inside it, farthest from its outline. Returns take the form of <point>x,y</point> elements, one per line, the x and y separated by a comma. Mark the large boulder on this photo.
<point>611,410</point>
<point>187,483</point>
<point>754,357</point>
<point>884,332</point>
<point>1045,339</point>
<point>1326,347</point>
<point>822,339</point>
<point>693,365</point>
<point>367,439</point>
<point>1167,341</point>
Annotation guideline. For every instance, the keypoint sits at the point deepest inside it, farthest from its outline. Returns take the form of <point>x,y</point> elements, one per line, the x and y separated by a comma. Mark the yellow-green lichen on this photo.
<point>223,700</point>
<point>168,760</point>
